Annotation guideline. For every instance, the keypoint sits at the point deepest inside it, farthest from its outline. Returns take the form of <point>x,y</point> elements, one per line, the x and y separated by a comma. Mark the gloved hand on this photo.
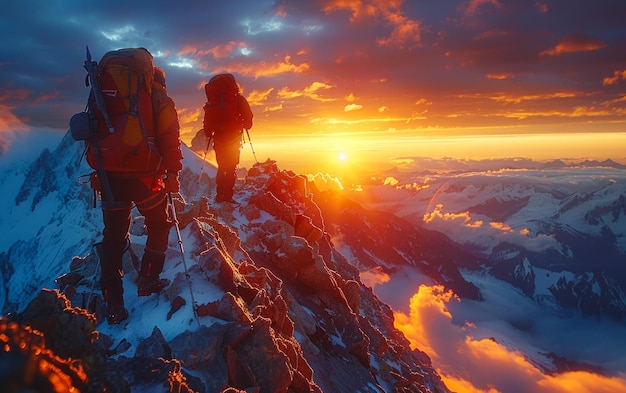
<point>172,184</point>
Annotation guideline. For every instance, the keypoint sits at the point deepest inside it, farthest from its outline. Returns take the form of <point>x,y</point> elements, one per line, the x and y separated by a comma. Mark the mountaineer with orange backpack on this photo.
<point>132,138</point>
<point>226,114</point>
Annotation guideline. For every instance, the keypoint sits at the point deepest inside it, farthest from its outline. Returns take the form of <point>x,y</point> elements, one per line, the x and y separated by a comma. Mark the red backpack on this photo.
<point>125,77</point>
<point>221,111</point>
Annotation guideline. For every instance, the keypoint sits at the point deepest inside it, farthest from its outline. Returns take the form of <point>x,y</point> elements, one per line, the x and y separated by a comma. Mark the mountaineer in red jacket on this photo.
<point>148,193</point>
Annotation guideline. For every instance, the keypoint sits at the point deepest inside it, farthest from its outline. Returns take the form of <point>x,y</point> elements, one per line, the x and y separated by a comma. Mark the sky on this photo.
<point>338,82</point>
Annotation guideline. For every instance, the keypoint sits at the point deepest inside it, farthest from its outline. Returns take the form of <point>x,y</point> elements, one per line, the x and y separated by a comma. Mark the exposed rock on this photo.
<point>287,312</point>
<point>154,346</point>
<point>76,349</point>
<point>27,365</point>
<point>228,308</point>
<point>69,331</point>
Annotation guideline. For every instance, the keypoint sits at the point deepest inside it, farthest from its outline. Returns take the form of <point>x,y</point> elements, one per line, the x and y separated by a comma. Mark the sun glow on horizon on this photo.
<point>368,153</point>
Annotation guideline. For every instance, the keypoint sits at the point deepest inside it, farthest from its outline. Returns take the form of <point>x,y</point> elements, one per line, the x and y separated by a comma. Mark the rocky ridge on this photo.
<point>276,308</point>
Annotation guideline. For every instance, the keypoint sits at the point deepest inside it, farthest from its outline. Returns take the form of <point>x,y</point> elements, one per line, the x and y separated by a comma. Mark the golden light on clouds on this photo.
<point>468,364</point>
<point>374,276</point>
<point>575,43</point>
<point>619,75</point>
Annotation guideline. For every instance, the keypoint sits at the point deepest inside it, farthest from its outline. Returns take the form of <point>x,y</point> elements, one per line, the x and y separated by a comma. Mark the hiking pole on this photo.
<point>208,145</point>
<point>194,305</point>
<point>251,147</point>
<point>93,283</point>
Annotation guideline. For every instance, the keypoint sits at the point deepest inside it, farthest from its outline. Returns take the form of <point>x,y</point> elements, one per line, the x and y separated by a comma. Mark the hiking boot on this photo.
<point>116,314</point>
<point>220,199</point>
<point>149,285</point>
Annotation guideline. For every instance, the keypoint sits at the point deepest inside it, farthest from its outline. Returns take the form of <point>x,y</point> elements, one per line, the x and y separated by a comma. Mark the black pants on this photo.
<point>117,220</point>
<point>227,156</point>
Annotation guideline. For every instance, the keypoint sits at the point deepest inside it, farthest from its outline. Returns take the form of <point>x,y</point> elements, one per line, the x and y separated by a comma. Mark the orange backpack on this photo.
<point>125,77</point>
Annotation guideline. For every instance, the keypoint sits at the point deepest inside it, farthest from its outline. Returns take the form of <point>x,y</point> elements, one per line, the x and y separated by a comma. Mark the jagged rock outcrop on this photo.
<point>71,354</point>
<point>264,304</point>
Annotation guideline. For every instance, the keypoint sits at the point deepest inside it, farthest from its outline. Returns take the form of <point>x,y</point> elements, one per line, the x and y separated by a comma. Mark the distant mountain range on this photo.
<point>555,231</point>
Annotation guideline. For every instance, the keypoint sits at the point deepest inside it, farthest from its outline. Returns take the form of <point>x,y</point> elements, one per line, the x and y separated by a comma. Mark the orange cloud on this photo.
<point>273,108</point>
<point>415,187</point>
<point>617,76</point>
<point>390,181</point>
<point>310,91</point>
<point>427,311</point>
<point>373,277</point>
<point>190,121</point>
<point>283,67</point>
<point>464,217</point>
<point>352,107</point>
<point>474,6</point>
<point>261,69</point>
<point>499,76</point>
<point>470,365</point>
<point>16,94</point>
<point>575,43</point>
<point>405,31</point>
<point>500,226</point>
<point>257,97</point>
<point>359,9</point>
<point>45,97</point>
<point>516,99</point>
<point>9,122</point>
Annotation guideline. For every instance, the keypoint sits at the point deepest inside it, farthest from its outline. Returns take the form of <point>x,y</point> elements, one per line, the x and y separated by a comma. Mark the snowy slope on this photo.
<point>41,238</point>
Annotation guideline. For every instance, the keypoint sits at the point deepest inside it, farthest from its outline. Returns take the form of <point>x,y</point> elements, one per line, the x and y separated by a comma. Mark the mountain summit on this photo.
<point>260,300</point>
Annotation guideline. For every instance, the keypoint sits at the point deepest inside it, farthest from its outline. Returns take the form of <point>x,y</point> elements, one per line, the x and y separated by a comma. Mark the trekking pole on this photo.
<point>252,147</point>
<point>182,251</point>
<point>208,145</point>
<point>93,283</point>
